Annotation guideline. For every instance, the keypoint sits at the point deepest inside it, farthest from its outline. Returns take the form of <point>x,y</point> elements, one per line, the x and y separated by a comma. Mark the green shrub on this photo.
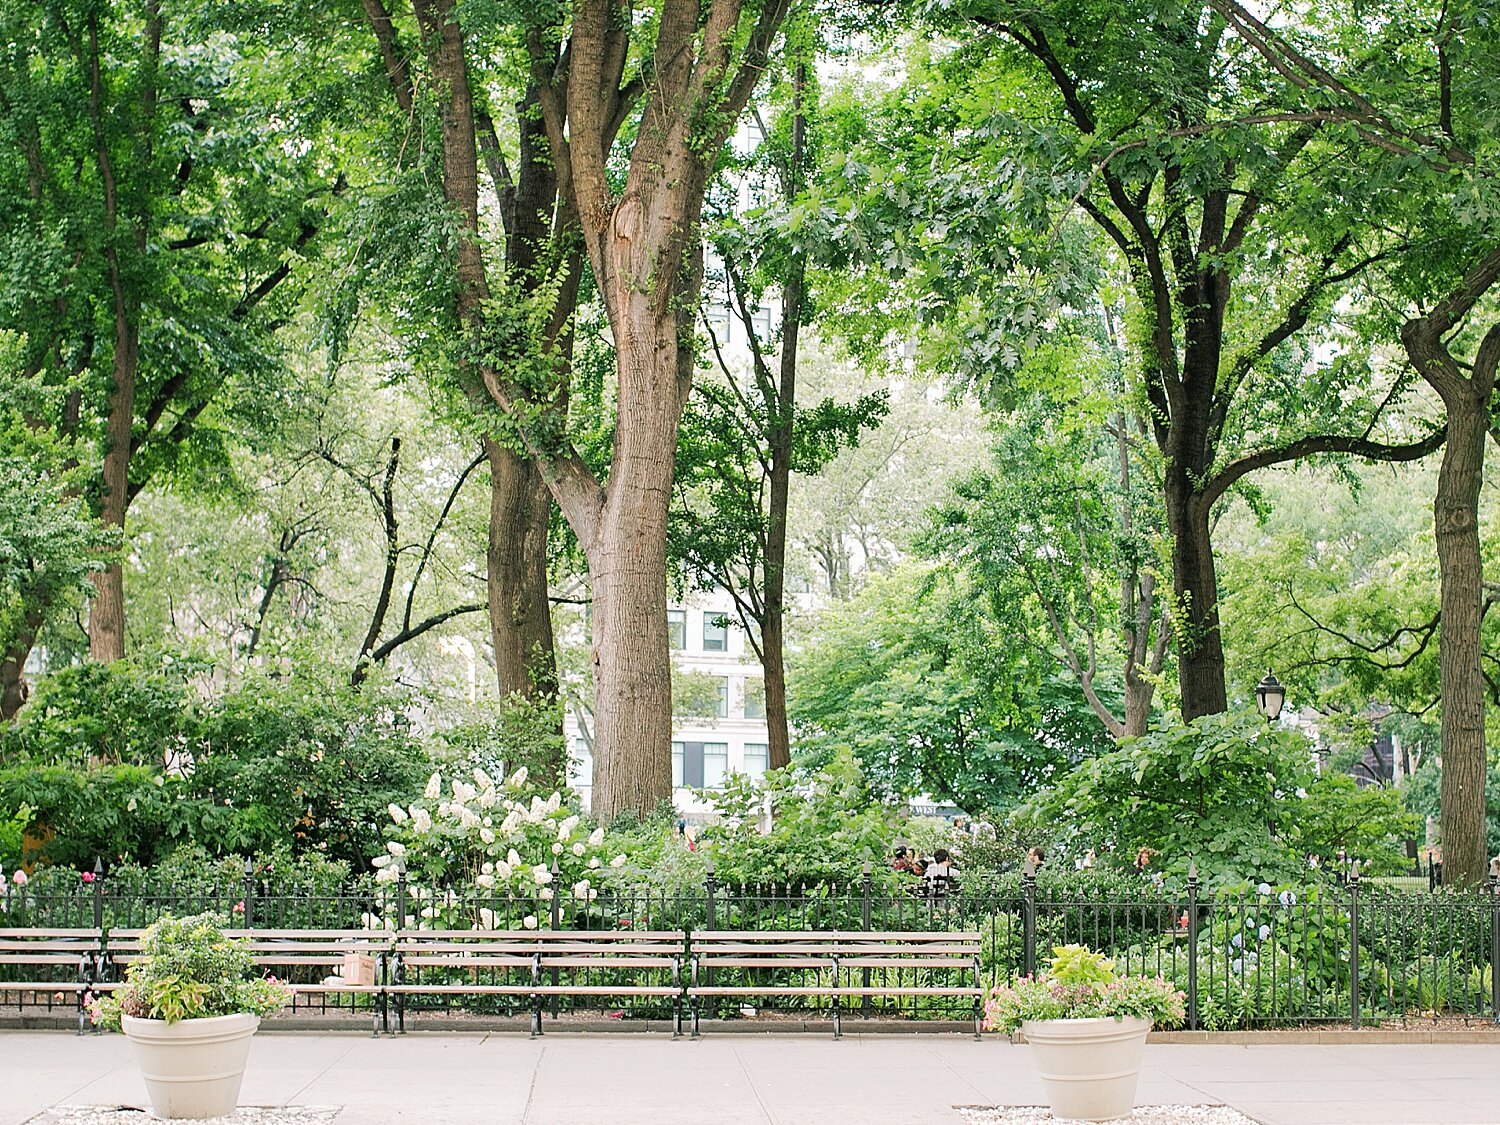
<point>190,970</point>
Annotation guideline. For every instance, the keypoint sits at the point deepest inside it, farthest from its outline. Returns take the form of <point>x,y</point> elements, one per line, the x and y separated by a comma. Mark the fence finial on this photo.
<point>1192,870</point>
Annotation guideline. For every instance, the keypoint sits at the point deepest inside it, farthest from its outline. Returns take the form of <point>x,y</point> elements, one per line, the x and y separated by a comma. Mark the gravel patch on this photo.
<point>1143,1115</point>
<point>134,1115</point>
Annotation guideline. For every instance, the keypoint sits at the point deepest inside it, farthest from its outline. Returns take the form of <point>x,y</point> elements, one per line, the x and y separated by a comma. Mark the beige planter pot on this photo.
<point>1088,1067</point>
<point>192,1068</point>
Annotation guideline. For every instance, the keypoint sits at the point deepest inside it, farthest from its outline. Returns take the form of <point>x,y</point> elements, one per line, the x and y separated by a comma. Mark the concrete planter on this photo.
<point>192,1068</point>
<point>1088,1067</point>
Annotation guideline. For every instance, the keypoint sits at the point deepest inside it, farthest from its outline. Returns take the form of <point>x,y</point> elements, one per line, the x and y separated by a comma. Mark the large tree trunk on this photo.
<point>1456,528</point>
<point>107,610</point>
<point>520,618</point>
<point>628,572</point>
<point>773,659</point>
<point>1195,586</point>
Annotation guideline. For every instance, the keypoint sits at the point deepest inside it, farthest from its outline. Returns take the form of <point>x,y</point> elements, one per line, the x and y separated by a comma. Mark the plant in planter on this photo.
<point>1087,1029</point>
<point>189,1006</point>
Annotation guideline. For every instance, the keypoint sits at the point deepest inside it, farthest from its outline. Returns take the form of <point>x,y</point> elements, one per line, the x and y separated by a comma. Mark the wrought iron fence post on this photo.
<point>1192,945</point>
<point>556,925</point>
<point>1495,938</point>
<point>1028,918</point>
<point>400,895</point>
<point>99,896</point>
<point>864,921</point>
<point>708,911</point>
<point>1354,944</point>
<point>249,898</point>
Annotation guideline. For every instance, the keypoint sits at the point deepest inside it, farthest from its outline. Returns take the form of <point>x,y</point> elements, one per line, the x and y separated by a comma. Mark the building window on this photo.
<point>700,765</point>
<point>715,632</point>
<point>721,703</point>
<point>757,759</point>
<point>677,629</point>
<point>583,763</point>
<point>715,764</point>
<point>755,697</point>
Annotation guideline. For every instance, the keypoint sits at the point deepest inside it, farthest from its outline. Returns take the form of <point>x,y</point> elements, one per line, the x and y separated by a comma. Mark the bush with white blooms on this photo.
<point>484,842</point>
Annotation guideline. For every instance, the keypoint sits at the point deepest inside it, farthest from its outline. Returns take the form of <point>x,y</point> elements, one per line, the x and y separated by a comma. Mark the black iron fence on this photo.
<point>1349,955</point>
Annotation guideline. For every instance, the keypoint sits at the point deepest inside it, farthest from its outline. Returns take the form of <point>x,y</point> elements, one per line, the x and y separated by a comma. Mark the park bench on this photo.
<point>314,962</point>
<point>534,965</point>
<point>49,962</point>
<point>839,964</point>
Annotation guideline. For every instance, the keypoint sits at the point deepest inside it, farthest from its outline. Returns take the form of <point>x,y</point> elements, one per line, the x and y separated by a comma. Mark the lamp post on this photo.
<point>1270,695</point>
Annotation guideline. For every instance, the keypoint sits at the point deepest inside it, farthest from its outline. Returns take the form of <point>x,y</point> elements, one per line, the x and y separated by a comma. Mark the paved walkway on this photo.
<point>578,1079</point>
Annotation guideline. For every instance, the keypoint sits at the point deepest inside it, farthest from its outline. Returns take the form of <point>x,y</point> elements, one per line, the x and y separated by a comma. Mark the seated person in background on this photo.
<point>906,861</point>
<point>941,867</point>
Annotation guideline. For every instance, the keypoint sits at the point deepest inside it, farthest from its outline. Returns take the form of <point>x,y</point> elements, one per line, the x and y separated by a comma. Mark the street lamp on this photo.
<point>1269,697</point>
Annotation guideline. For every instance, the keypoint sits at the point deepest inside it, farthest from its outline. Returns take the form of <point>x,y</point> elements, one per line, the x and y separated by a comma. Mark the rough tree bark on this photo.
<point>1466,399</point>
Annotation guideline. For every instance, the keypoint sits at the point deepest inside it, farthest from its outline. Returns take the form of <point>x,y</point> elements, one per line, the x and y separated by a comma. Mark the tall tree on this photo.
<point>1141,120</point>
<point>695,72</point>
<point>1446,182</point>
<point>745,435</point>
<point>154,244</point>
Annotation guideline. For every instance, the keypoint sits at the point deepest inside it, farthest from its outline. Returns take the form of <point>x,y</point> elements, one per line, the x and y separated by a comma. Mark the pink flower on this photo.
<point>19,878</point>
<point>239,907</point>
<point>87,876</point>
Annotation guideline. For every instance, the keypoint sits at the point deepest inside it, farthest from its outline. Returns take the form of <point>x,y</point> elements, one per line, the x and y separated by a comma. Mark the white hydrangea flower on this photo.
<point>487,918</point>
<point>487,868</point>
<point>529,921</point>
<point>503,871</point>
<point>487,799</point>
<point>467,817</point>
<point>594,862</point>
<point>518,778</point>
<point>428,912</point>
<point>486,835</point>
<point>596,837</point>
<point>396,848</point>
<point>508,825</point>
<point>554,802</point>
<point>578,850</point>
<point>445,809</point>
<point>513,858</point>
<point>386,875</point>
<point>545,894</point>
<point>593,894</point>
<point>485,881</point>
<point>538,809</point>
<point>482,779</point>
<point>540,875</point>
<point>370,922</point>
<point>421,822</point>
<point>434,786</point>
<point>557,849</point>
<point>380,861</point>
<point>565,829</point>
<point>581,889</point>
<point>398,814</point>
<point>462,792</point>
<point>618,861</point>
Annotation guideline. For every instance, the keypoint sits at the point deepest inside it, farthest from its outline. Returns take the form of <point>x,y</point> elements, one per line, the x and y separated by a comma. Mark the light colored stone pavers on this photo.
<point>724,1079</point>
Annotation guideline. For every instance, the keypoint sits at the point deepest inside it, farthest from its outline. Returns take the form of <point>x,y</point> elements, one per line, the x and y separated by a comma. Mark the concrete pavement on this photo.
<point>580,1079</point>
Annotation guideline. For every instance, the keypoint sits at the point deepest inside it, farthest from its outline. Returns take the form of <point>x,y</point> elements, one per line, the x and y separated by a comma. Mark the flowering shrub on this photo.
<point>190,970</point>
<point>1081,984</point>
<point>488,840</point>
